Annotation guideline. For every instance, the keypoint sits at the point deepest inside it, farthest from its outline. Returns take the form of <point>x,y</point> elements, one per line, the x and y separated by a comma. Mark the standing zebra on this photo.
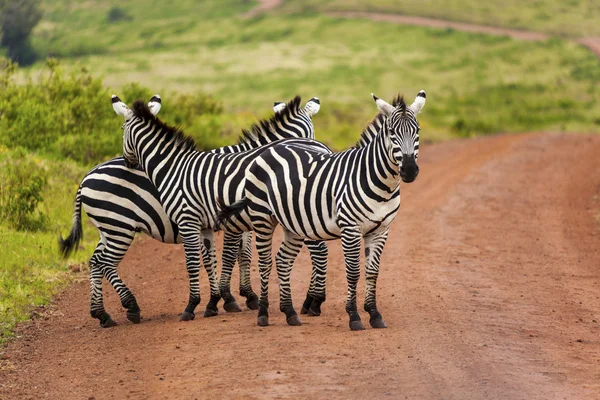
<point>322,196</point>
<point>189,183</point>
<point>121,201</point>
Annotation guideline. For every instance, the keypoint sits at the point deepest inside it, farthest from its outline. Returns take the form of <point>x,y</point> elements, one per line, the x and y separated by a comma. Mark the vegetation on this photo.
<point>557,17</point>
<point>30,269</point>
<point>17,20</point>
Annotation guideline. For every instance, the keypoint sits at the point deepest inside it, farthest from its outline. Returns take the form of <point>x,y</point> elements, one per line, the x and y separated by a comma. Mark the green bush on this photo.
<point>69,115</point>
<point>117,14</point>
<point>22,181</point>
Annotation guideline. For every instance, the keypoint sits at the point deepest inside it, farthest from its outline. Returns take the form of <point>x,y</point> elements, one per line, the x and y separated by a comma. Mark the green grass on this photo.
<point>31,270</point>
<point>557,17</point>
<point>475,83</point>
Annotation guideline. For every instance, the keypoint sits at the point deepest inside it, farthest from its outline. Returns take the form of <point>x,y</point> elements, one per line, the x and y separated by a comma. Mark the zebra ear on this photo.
<point>312,106</point>
<point>384,107</point>
<point>278,106</point>
<point>419,102</point>
<point>155,104</point>
<point>121,108</point>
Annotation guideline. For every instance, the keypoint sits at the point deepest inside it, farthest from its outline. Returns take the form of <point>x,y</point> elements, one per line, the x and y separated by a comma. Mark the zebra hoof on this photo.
<point>263,320</point>
<point>378,323</point>
<point>356,326</point>
<point>135,317</point>
<point>187,316</point>
<point>313,313</point>
<point>209,312</point>
<point>303,311</point>
<point>252,304</point>
<point>232,306</point>
<point>108,323</point>
<point>294,321</point>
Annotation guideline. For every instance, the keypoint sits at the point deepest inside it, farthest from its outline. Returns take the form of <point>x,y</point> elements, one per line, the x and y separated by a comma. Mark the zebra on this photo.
<point>121,201</point>
<point>315,194</point>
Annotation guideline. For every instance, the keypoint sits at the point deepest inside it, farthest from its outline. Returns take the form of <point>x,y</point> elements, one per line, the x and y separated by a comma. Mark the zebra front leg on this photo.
<point>210,264</point>
<point>244,258</point>
<point>373,249</point>
<point>231,245</point>
<point>316,292</point>
<point>191,245</point>
<point>264,242</point>
<point>284,262</point>
<point>351,237</point>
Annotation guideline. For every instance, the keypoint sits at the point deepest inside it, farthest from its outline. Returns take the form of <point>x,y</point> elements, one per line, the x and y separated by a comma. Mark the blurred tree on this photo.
<point>17,20</point>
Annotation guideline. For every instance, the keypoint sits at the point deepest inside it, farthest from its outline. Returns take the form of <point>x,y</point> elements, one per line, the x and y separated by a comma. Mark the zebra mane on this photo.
<point>371,131</point>
<point>140,110</point>
<point>260,132</point>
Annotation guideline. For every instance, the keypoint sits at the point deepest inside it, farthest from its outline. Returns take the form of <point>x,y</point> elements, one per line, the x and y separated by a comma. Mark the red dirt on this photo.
<point>489,284</point>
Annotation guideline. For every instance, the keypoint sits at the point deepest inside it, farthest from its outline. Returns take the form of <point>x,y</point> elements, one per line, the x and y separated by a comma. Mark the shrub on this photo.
<point>22,181</point>
<point>70,114</point>
<point>117,14</point>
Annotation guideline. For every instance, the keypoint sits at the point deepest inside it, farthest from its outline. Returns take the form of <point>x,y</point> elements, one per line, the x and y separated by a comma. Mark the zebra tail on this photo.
<point>68,245</point>
<point>226,212</point>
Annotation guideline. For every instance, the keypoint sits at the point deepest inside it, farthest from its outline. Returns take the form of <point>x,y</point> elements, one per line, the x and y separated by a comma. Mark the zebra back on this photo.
<point>290,122</point>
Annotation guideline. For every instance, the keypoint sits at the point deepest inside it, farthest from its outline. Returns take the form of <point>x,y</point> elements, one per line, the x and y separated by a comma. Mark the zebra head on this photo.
<point>402,129</point>
<point>123,110</point>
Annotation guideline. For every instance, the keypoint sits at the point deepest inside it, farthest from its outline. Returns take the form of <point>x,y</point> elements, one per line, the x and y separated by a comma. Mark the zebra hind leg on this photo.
<point>231,245</point>
<point>316,292</point>
<point>286,255</point>
<point>109,260</point>
<point>244,258</point>
<point>96,301</point>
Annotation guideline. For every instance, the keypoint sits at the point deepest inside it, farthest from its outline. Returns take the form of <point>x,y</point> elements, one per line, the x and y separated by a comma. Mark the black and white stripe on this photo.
<point>315,194</point>
<point>121,201</point>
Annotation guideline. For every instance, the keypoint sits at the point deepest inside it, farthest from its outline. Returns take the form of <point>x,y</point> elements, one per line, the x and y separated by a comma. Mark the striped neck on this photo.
<point>381,168</point>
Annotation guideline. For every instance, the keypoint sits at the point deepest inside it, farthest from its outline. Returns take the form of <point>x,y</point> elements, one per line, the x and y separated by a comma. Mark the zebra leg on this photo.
<point>264,242</point>
<point>191,244</point>
<point>351,237</point>
<point>96,301</point>
<point>108,260</point>
<point>316,292</point>
<point>291,246</point>
<point>244,258</point>
<point>373,249</point>
<point>231,245</point>
<point>210,264</point>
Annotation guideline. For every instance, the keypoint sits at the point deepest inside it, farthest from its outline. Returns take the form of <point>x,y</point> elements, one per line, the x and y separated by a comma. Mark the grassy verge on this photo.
<point>31,270</point>
<point>557,17</point>
<point>476,84</point>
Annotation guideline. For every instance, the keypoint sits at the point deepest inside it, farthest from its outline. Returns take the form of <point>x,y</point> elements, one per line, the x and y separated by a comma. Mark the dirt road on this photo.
<point>490,285</point>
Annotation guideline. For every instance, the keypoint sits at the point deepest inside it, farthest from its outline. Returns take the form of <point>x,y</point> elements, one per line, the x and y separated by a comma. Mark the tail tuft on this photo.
<point>226,212</point>
<point>68,245</point>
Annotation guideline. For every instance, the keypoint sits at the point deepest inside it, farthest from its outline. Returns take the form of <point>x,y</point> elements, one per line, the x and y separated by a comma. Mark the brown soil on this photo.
<point>489,284</point>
